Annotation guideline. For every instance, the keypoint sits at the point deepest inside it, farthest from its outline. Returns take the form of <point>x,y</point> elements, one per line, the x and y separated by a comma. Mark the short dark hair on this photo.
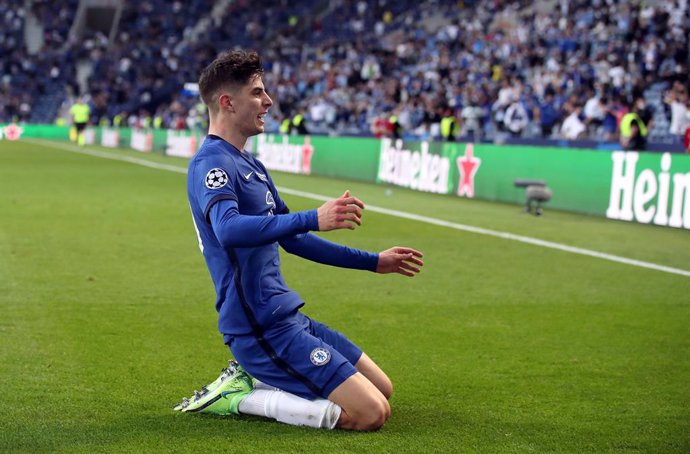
<point>232,68</point>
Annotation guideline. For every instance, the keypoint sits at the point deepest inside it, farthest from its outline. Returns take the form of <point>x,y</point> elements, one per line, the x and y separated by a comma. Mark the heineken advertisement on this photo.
<point>170,142</point>
<point>144,140</point>
<point>181,143</point>
<point>340,157</point>
<point>630,186</point>
<point>422,166</point>
<point>649,188</point>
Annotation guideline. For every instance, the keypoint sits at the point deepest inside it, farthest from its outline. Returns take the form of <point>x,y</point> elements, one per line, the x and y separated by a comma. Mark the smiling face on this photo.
<point>232,88</point>
<point>247,106</point>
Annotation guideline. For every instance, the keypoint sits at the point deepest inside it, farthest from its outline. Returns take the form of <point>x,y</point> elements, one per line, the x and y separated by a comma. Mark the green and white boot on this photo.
<point>222,396</point>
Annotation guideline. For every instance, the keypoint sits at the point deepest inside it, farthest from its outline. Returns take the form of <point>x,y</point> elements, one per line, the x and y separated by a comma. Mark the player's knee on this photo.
<point>387,389</point>
<point>373,417</point>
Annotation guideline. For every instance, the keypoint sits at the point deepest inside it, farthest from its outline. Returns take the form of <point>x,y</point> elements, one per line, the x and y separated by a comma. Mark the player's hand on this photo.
<point>345,212</point>
<point>401,260</point>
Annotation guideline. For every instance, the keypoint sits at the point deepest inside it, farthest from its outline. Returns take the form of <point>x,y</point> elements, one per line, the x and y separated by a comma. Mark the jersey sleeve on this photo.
<point>317,249</point>
<point>236,230</point>
<point>213,181</point>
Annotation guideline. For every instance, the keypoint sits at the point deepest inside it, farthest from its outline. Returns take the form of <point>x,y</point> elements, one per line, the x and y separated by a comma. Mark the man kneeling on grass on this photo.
<point>291,368</point>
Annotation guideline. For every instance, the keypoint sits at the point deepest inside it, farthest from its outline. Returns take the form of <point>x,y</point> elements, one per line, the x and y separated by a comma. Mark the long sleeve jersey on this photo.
<point>240,221</point>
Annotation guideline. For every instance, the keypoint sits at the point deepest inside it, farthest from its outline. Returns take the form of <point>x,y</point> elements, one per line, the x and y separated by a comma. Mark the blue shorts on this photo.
<point>298,355</point>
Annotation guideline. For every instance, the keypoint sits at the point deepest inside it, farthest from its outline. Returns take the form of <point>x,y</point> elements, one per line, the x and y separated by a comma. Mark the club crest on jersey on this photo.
<point>320,356</point>
<point>216,178</point>
<point>269,199</point>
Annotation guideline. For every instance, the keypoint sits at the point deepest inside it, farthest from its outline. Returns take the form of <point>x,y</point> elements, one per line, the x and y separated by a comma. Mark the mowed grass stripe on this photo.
<point>405,215</point>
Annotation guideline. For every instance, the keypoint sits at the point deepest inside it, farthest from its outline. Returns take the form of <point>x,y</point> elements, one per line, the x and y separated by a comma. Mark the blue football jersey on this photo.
<point>240,221</point>
<point>220,172</point>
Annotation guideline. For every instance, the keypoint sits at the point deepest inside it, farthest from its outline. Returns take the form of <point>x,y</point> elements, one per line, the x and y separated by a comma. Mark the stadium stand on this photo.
<point>15,91</point>
<point>505,69</point>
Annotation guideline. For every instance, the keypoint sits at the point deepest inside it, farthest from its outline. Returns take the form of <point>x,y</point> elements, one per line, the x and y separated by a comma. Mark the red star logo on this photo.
<point>13,132</point>
<point>468,166</point>
<point>307,153</point>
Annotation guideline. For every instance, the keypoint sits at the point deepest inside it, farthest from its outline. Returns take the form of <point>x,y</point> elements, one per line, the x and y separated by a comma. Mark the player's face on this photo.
<point>251,104</point>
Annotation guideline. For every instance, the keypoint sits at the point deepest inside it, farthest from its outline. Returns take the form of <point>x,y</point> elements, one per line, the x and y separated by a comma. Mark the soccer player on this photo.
<point>291,368</point>
<point>80,118</point>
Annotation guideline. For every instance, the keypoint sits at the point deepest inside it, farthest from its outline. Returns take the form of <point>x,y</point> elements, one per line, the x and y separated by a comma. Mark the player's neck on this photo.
<point>231,136</point>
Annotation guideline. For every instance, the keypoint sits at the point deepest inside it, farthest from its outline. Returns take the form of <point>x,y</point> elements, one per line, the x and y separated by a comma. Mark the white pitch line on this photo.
<point>504,235</point>
<point>396,213</point>
<point>106,155</point>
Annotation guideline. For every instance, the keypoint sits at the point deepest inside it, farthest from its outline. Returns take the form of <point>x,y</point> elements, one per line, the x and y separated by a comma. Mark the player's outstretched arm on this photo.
<point>401,260</point>
<point>345,212</point>
<point>237,230</point>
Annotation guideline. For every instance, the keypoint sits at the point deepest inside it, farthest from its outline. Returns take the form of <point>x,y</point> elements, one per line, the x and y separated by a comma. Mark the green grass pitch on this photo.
<point>498,346</point>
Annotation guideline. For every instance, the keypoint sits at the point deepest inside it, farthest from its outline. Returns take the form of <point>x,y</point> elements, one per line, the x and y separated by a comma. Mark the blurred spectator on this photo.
<point>573,127</point>
<point>677,99</point>
<point>515,118</point>
<point>395,126</point>
<point>286,125</point>
<point>548,115</point>
<point>645,112</point>
<point>449,126</point>
<point>609,125</point>
<point>120,119</point>
<point>381,127</point>
<point>299,123</point>
<point>594,112</point>
<point>633,134</point>
<point>472,116</point>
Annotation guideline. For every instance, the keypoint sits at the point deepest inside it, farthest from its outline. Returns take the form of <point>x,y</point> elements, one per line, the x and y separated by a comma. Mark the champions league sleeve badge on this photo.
<point>320,356</point>
<point>216,178</point>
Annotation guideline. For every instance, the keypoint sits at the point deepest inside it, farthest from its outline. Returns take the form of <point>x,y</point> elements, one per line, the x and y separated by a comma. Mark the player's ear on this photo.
<point>225,102</point>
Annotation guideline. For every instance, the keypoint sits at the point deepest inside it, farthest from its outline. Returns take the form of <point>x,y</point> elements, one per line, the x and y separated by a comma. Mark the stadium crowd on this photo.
<point>25,77</point>
<point>15,88</point>
<point>553,69</point>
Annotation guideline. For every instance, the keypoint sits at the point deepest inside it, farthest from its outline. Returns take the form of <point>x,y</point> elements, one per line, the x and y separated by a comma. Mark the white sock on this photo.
<point>261,385</point>
<point>290,409</point>
<point>254,403</point>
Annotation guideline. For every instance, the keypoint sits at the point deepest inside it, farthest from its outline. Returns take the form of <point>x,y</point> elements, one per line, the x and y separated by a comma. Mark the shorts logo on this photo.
<point>216,178</point>
<point>320,356</point>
